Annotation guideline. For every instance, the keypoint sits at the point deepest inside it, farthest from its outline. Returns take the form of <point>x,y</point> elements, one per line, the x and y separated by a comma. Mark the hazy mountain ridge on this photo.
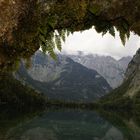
<point>64,79</point>
<point>111,69</point>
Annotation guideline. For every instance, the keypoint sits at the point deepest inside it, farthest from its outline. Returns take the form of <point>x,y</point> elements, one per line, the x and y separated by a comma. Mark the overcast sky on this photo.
<point>91,42</point>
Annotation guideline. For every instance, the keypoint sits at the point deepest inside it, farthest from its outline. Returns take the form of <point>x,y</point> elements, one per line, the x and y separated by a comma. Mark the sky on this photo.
<point>91,42</point>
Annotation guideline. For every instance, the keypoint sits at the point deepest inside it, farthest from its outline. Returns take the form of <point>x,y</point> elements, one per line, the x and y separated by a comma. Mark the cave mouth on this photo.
<point>104,54</point>
<point>21,40</point>
<point>28,25</point>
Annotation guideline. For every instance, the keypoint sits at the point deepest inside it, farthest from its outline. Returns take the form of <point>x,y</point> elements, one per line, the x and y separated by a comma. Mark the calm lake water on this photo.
<point>70,125</point>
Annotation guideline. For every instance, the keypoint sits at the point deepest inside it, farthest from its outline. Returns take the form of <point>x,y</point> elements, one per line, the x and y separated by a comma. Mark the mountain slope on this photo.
<point>111,69</point>
<point>15,95</point>
<point>64,79</point>
<point>128,94</point>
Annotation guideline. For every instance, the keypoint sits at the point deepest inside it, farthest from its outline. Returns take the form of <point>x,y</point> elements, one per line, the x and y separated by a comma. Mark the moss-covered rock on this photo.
<point>25,25</point>
<point>22,21</point>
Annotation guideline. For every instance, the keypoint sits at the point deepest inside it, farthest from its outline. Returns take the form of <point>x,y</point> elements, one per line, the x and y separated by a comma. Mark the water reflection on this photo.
<point>70,125</point>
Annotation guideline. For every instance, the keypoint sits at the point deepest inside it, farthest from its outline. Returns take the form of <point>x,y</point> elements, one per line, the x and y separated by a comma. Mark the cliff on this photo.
<point>128,94</point>
<point>111,69</point>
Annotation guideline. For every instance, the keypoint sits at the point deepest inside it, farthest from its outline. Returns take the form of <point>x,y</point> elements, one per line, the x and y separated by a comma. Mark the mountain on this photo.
<point>133,75</point>
<point>128,93</point>
<point>64,79</point>
<point>111,69</point>
<point>15,95</point>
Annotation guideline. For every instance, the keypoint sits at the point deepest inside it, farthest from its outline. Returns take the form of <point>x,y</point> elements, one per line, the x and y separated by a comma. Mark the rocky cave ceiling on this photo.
<point>25,25</point>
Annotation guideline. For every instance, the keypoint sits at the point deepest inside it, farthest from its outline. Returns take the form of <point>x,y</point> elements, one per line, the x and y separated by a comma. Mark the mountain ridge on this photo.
<point>64,79</point>
<point>128,93</point>
<point>111,69</point>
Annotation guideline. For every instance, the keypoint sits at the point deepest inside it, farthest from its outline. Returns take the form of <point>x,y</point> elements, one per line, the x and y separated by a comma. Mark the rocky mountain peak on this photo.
<point>111,69</point>
<point>64,79</point>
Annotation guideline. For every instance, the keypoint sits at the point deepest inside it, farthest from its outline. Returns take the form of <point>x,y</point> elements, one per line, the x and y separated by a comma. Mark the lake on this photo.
<point>70,125</point>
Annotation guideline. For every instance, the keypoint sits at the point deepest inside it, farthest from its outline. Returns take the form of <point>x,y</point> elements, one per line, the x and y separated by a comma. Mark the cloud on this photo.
<point>91,42</point>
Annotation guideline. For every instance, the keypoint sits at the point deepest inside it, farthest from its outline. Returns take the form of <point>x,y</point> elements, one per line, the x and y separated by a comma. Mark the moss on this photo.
<point>95,9</point>
<point>23,32</point>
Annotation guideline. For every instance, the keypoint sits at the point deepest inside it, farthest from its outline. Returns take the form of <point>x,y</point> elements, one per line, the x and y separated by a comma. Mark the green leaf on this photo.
<point>112,31</point>
<point>123,37</point>
<point>125,25</point>
<point>44,48</point>
<point>43,30</point>
<point>63,36</point>
<point>68,33</point>
<point>58,42</point>
<point>128,34</point>
<point>95,9</point>
<point>104,32</point>
<point>42,38</point>
<point>53,55</point>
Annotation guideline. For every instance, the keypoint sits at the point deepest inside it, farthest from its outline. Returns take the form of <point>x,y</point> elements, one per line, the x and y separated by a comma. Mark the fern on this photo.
<point>128,34</point>
<point>43,48</point>
<point>49,42</point>
<point>104,32</point>
<point>63,35</point>
<point>28,63</point>
<point>51,46</point>
<point>42,38</point>
<point>58,42</point>
<point>112,31</point>
<point>43,30</point>
<point>124,32</point>
<point>123,37</point>
<point>68,33</point>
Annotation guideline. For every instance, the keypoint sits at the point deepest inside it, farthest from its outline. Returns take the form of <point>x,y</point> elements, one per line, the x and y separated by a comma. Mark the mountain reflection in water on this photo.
<point>69,125</point>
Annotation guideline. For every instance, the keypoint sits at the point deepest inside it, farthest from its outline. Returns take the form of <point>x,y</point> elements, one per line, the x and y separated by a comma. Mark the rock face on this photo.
<point>127,95</point>
<point>111,69</point>
<point>64,79</point>
<point>133,73</point>
<point>19,39</point>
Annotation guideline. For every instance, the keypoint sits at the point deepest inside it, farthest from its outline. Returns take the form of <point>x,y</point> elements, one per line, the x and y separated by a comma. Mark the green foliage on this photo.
<point>105,26</point>
<point>112,31</point>
<point>124,32</point>
<point>58,42</point>
<point>95,9</point>
<point>123,37</point>
<point>63,35</point>
<point>50,41</point>
<point>28,63</point>
<point>51,21</point>
<point>46,42</point>
<point>45,17</point>
<point>68,33</point>
<point>109,29</point>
